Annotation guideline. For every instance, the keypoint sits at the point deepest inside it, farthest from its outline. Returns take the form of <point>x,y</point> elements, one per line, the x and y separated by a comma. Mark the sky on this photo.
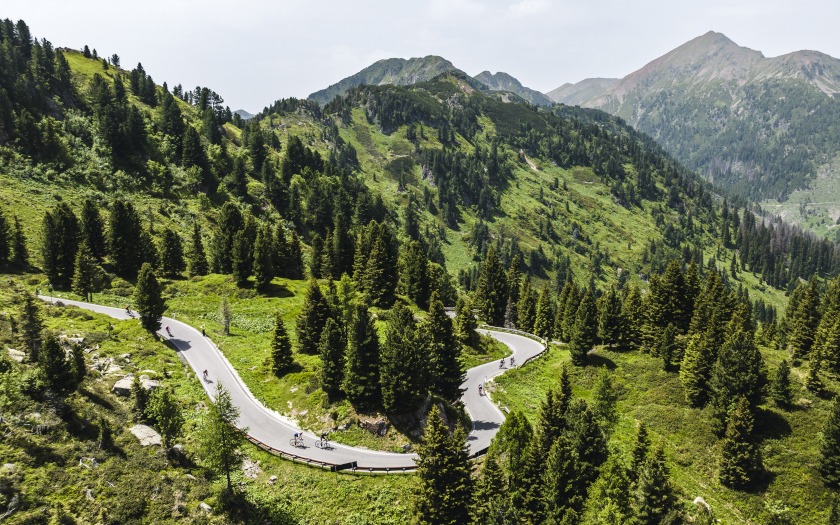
<point>253,52</point>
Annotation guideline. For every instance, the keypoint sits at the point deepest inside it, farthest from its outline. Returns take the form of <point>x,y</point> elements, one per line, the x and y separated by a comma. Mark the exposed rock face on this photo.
<point>146,435</point>
<point>377,427</point>
<point>123,386</point>
<point>16,355</point>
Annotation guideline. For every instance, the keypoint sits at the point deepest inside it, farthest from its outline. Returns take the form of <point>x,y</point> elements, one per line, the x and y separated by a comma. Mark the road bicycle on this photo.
<point>323,443</point>
<point>296,441</point>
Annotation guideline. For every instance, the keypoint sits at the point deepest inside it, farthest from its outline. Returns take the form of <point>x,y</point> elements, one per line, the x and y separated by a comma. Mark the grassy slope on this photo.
<point>130,477</point>
<point>649,394</point>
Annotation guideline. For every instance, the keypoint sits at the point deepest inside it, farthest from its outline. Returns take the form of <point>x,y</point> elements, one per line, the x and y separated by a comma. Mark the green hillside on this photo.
<point>560,221</point>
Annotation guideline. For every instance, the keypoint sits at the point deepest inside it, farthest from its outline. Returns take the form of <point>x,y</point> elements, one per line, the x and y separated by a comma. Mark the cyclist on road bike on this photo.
<point>480,390</point>
<point>323,439</point>
<point>502,363</point>
<point>205,374</point>
<point>168,331</point>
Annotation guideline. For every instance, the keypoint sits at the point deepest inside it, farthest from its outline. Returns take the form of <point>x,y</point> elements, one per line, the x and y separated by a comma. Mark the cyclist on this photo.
<point>324,440</point>
<point>128,309</point>
<point>502,363</point>
<point>512,362</point>
<point>298,439</point>
<point>205,374</point>
<point>168,331</point>
<point>480,390</point>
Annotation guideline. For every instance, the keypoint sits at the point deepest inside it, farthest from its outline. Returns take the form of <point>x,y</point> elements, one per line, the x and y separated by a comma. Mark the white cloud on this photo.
<point>450,10</point>
<point>528,8</point>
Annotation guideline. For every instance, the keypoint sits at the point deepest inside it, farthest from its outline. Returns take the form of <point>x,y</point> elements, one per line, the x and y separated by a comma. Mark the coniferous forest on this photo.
<point>693,343</point>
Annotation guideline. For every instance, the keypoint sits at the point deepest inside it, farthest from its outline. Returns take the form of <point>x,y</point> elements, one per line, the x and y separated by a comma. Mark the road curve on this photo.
<point>270,428</point>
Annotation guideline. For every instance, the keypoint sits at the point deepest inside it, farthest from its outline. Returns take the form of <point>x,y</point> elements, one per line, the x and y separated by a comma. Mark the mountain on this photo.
<point>504,82</point>
<point>765,128</point>
<point>244,114</point>
<point>578,94</point>
<point>435,189</point>
<point>393,71</point>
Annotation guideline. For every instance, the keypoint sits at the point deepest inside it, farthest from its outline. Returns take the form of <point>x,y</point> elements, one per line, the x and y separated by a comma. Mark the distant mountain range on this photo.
<point>406,72</point>
<point>761,127</point>
<point>244,114</point>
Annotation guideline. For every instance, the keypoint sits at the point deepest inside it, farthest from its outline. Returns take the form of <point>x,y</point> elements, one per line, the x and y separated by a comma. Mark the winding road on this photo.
<point>273,431</point>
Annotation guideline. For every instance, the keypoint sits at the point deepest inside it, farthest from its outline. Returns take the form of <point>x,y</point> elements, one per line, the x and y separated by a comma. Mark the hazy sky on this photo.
<point>253,52</point>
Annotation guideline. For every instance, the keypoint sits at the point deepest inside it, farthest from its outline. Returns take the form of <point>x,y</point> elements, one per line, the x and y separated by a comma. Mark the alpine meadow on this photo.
<point>458,301</point>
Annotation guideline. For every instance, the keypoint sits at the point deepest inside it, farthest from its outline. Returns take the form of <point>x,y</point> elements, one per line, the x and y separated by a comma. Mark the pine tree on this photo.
<point>489,502</point>
<point>229,223</point>
<point>331,348</point>
<point>696,369</point>
<point>220,439</point>
<point>20,253</point>
<point>527,307</point>
<point>492,290</point>
<point>149,298</point>
<point>514,278</point>
<point>829,466</point>
<point>57,371</point>
<point>610,321</point>
<point>87,275</point>
<point>465,324</point>
<point>402,368</point>
<point>361,378</point>
<point>740,457</point>
<point>738,371</point>
<point>562,493</point>
<point>632,312</point>
<point>294,269</point>
<point>604,399</point>
<point>510,447</point>
<point>584,332</point>
<point>444,351</point>
<point>141,399</point>
<point>281,348</point>
<point>93,229</point>
<point>414,276</point>
<point>165,414</point>
<point>263,264</point>
<point>31,326</point>
<point>804,322</point>
<point>197,259</point>
<point>641,449</point>
<point>544,320</point>
<point>124,235</point>
<point>654,497</point>
<point>5,242</point>
<point>312,319</point>
<point>241,258</point>
<point>667,347</point>
<point>781,390</point>
<point>59,245</point>
<point>588,440</point>
<point>443,469</point>
<point>609,497</point>
<point>834,513</point>
<point>171,254</point>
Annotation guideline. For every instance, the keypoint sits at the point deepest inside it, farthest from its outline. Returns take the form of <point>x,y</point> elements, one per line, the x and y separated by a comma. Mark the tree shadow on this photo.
<point>239,508</point>
<point>277,290</point>
<point>771,425</point>
<point>597,360</point>
<point>96,398</point>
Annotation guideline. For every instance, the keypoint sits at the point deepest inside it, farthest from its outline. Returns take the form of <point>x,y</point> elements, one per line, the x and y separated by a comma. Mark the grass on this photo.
<point>649,394</point>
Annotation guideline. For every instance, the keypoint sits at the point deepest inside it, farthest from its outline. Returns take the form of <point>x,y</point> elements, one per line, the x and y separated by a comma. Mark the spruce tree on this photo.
<point>641,449</point>
<point>171,254</point>
<point>165,414</point>
<point>526,309</point>
<point>490,495</point>
<point>667,347</point>
<point>696,368</point>
<point>588,440</point>
<point>492,290</point>
<point>402,368</point>
<point>610,320</point>
<point>124,239</point>
<point>331,348</point>
<point>654,498</point>
<point>465,324</point>
<point>148,296</point>
<point>632,312</point>
<point>804,322</point>
<point>829,465</point>
<point>263,263</point>
<point>781,390</point>
<point>834,513</point>
<point>59,245</point>
<point>241,258</point>
<point>361,378</point>
<point>740,457</point>
<point>604,399</point>
<point>230,221</point>
<point>31,326</point>
<point>584,332</point>
<point>5,242</point>
<point>86,276</point>
<point>544,320</point>
<point>58,372</point>
<point>294,269</point>
<point>414,275</point>
<point>141,399</point>
<point>312,319</point>
<point>444,351</point>
<point>738,371</point>
<point>443,469</point>
<point>281,348</point>
<point>514,279</point>
<point>511,445</point>
<point>562,489</point>
<point>20,253</point>
<point>93,229</point>
<point>197,259</point>
<point>609,500</point>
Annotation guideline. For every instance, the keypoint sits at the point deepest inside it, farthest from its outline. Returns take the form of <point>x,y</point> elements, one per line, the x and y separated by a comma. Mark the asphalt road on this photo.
<point>276,431</point>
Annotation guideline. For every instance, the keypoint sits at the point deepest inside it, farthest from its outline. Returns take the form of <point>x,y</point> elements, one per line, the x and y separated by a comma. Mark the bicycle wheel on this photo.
<point>320,444</point>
